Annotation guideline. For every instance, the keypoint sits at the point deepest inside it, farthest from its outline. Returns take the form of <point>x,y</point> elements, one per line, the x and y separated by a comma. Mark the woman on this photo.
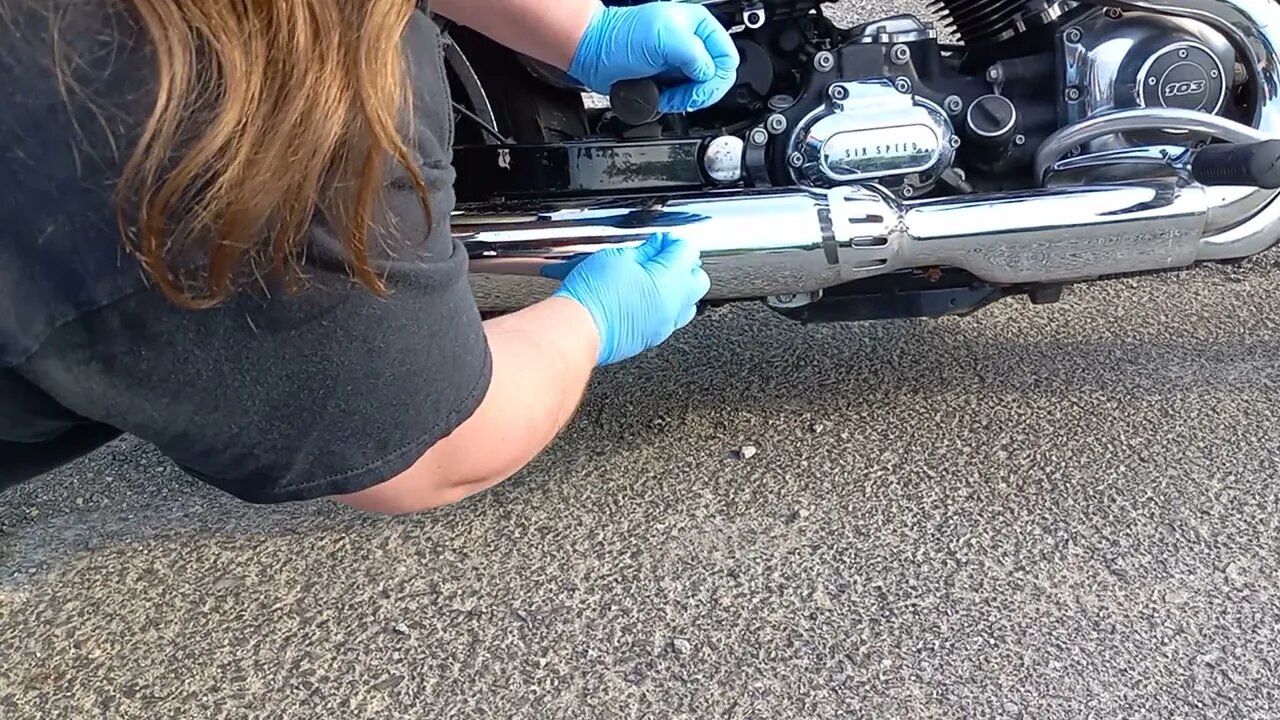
<point>219,233</point>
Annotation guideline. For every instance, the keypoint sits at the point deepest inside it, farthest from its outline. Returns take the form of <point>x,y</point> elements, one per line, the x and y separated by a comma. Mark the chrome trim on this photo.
<point>759,244</point>
<point>1150,162</point>
<point>1229,206</point>
<point>1062,142</point>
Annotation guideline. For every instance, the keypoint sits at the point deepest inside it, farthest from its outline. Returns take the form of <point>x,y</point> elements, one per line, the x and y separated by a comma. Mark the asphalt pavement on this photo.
<point>1065,511</point>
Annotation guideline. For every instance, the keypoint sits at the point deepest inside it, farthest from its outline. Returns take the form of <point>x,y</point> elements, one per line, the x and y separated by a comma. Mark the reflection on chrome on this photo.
<point>761,243</point>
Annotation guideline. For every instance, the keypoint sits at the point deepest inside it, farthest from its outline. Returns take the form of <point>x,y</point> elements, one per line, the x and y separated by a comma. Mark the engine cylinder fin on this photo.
<point>984,22</point>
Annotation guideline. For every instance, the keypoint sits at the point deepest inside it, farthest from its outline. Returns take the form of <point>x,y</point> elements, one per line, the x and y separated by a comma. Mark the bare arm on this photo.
<point>547,30</point>
<point>612,305</point>
<point>542,359</point>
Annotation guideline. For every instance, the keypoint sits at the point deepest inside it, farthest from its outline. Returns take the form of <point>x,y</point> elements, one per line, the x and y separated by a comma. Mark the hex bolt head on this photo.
<point>953,104</point>
<point>1019,140</point>
<point>796,159</point>
<point>824,61</point>
<point>839,92</point>
<point>900,54</point>
<point>902,85</point>
<point>1073,35</point>
<point>1073,94</point>
<point>758,136</point>
<point>776,123</point>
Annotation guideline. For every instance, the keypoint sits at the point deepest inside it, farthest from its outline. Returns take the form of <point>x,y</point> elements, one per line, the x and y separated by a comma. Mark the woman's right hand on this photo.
<point>637,296</point>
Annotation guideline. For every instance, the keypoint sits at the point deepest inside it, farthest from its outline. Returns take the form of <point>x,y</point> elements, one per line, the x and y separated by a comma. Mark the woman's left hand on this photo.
<point>659,39</point>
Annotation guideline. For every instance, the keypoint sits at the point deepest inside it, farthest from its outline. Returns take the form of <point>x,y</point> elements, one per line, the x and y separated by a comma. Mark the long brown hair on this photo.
<point>277,110</point>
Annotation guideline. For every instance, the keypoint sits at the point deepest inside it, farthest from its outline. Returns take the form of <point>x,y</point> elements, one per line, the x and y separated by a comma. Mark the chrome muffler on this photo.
<point>789,242</point>
<point>758,244</point>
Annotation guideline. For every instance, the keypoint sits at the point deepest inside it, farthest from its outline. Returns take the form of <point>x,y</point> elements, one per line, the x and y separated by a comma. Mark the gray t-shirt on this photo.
<point>271,398</point>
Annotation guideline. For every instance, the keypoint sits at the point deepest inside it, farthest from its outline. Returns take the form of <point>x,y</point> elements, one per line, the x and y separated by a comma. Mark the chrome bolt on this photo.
<point>953,104</point>
<point>1151,81</point>
<point>1073,151</point>
<point>1073,35</point>
<point>1213,73</point>
<point>758,136</point>
<point>902,85</point>
<point>954,141</point>
<point>824,61</point>
<point>994,74</point>
<point>1073,94</point>
<point>839,92</point>
<point>900,54</point>
<point>1114,13</point>
<point>1182,54</point>
<point>907,191</point>
<point>776,123</point>
<point>796,159</point>
<point>1019,140</point>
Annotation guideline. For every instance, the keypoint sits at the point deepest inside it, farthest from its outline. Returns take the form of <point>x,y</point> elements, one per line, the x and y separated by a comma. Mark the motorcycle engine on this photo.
<point>880,105</point>
<point>886,102</point>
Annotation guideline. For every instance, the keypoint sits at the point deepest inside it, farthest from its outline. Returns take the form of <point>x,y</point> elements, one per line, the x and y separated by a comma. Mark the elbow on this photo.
<point>414,491</point>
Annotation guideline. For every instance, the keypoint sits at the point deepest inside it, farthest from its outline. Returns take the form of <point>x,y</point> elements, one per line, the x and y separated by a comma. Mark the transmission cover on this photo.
<point>870,130</point>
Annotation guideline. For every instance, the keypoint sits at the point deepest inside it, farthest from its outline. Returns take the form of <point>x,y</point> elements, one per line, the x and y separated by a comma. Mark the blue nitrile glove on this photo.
<point>637,296</point>
<point>658,38</point>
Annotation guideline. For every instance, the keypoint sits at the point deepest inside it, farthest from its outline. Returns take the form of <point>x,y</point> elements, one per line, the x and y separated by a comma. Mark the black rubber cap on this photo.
<point>1250,164</point>
<point>992,118</point>
<point>635,102</point>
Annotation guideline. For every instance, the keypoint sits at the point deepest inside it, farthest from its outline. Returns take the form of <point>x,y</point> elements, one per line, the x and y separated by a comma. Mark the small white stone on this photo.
<point>746,452</point>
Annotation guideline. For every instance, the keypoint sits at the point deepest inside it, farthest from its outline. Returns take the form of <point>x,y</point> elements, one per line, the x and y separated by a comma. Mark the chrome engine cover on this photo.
<point>873,130</point>
<point>1119,61</point>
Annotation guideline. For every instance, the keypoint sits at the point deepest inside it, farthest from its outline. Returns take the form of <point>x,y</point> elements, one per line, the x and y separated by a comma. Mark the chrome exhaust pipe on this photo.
<point>758,244</point>
<point>763,244</point>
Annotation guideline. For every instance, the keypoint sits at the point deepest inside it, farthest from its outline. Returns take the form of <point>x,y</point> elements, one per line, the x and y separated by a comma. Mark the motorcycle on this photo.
<point>877,172</point>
